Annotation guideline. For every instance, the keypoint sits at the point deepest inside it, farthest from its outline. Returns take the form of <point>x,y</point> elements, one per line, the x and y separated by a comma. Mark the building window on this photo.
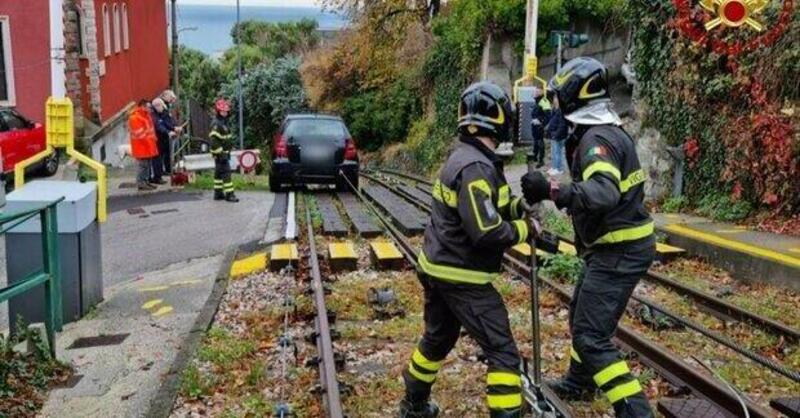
<point>106,31</point>
<point>126,40</point>
<point>6,64</point>
<point>117,36</point>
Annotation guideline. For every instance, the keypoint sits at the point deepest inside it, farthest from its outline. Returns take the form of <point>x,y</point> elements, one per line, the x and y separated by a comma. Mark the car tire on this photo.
<point>49,165</point>
<point>275,185</point>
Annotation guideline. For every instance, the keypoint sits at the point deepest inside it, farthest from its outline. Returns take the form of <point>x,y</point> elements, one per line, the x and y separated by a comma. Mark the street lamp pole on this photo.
<point>239,79</point>
<point>174,28</point>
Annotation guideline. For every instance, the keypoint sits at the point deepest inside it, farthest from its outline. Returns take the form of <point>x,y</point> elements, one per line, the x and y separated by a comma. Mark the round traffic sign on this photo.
<point>248,160</point>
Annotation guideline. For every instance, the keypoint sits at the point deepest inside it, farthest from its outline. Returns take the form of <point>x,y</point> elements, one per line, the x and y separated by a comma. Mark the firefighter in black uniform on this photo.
<point>474,220</point>
<point>613,233</point>
<point>221,144</point>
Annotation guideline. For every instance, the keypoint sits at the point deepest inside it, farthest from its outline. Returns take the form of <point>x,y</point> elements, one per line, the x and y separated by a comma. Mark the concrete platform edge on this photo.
<point>741,266</point>
<point>162,405</point>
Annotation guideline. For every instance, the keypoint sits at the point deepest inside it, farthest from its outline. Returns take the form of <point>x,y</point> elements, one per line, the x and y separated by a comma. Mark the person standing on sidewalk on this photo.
<point>614,235</point>
<point>166,132</point>
<point>475,219</point>
<point>557,131</point>
<point>143,143</point>
<point>221,140</point>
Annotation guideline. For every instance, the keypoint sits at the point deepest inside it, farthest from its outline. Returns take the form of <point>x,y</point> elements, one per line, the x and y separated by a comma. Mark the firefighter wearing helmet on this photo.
<point>613,233</point>
<point>474,220</point>
<point>221,140</point>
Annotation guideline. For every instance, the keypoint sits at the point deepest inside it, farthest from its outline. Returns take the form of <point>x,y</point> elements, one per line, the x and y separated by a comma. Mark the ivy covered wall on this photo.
<point>730,98</point>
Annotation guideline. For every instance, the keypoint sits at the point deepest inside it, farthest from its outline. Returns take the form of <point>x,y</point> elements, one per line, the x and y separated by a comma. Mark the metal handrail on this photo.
<point>50,275</point>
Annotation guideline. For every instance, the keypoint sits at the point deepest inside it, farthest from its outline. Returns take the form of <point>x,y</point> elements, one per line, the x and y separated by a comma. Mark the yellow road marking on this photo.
<point>735,245</point>
<point>729,231</point>
<point>152,303</point>
<point>163,311</point>
<point>186,282</point>
<point>566,248</point>
<point>523,249</point>
<point>245,266</point>
<point>794,250</point>
<point>153,288</point>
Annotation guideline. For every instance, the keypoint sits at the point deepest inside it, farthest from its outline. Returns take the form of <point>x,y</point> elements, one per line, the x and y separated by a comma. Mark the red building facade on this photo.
<point>103,54</point>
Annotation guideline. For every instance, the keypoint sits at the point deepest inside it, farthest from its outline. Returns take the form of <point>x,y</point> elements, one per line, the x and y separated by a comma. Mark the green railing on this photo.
<point>50,275</point>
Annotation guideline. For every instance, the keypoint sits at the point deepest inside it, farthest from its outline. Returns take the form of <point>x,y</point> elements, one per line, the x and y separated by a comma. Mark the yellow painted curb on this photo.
<point>245,266</point>
<point>734,245</point>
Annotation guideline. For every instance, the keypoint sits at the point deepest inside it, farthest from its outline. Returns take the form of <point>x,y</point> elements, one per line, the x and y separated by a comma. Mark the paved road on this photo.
<point>175,226</point>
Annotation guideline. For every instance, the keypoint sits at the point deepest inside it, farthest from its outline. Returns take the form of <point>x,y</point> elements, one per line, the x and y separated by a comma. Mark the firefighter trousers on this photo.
<point>223,185</point>
<point>598,302</point>
<point>482,312</point>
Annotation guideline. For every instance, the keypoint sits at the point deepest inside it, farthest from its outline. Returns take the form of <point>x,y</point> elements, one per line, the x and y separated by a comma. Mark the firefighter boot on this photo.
<point>633,407</point>
<point>506,413</point>
<point>230,197</point>
<point>425,409</point>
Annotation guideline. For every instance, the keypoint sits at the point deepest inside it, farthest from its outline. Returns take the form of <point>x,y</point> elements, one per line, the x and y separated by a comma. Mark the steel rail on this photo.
<point>666,363</point>
<point>675,370</point>
<point>717,305</point>
<point>331,397</point>
<point>410,253</point>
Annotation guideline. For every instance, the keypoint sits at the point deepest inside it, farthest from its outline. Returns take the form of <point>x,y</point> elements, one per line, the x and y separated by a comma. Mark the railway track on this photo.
<point>705,391</point>
<point>329,383</point>
<point>719,307</point>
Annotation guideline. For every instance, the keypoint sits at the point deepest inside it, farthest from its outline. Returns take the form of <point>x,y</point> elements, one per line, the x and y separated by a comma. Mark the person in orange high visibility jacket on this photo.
<point>143,143</point>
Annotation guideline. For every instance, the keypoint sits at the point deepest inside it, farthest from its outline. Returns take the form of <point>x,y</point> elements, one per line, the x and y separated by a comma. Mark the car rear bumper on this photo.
<point>295,173</point>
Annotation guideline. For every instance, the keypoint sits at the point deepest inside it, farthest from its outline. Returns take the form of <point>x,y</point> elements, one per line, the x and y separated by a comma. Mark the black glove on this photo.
<point>535,187</point>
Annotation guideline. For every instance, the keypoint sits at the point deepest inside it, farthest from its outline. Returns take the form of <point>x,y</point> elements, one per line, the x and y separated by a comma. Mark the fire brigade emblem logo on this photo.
<point>702,21</point>
<point>734,13</point>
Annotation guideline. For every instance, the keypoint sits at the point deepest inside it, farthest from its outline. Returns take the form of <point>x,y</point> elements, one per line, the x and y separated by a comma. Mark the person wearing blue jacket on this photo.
<point>557,131</point>
<point>166,130</point>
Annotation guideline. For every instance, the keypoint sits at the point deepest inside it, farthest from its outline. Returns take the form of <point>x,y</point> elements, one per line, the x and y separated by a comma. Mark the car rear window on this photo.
<point>316,128</point>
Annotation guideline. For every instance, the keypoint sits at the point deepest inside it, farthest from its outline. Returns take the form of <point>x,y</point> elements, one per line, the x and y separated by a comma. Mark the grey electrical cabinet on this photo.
<point>79,246</point>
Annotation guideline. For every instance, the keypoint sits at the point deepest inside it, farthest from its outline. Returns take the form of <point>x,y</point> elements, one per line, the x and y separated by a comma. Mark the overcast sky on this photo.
<point>298,3</point>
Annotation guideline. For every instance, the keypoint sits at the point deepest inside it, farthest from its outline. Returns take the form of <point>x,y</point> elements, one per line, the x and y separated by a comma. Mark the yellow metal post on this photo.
<point>59,121</point>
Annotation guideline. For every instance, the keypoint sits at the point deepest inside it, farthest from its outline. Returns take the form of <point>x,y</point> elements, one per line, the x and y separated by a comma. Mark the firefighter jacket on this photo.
<point>220,136</point>
<point>142,134</point>
<point>474,218</point>
<point>606,197</point>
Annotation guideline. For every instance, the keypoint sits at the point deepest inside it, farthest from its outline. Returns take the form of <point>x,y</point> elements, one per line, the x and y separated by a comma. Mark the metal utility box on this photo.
<point>79,246</point>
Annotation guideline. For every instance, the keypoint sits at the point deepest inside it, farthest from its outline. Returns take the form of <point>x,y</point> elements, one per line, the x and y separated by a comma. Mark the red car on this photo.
<point>19,139</point>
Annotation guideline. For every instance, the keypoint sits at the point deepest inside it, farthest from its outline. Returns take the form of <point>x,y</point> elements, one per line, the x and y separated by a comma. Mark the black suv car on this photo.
<point>313,149</point>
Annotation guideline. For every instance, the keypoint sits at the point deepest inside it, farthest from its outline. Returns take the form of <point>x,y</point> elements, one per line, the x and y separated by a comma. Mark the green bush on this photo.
<point>378,117</point>
<point>200,76</point>
<point>270,92</point>
<point>720,207</point>
<point>674,204</point>
<point>566,267</point>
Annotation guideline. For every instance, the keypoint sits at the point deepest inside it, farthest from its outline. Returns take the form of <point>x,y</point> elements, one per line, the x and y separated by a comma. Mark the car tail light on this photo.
<point>280,148</point>
<point>350,151</point>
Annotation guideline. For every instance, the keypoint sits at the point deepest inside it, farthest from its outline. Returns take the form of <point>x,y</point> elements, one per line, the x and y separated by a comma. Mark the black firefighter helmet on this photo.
<point>583,93</point>
<point>485,110</point>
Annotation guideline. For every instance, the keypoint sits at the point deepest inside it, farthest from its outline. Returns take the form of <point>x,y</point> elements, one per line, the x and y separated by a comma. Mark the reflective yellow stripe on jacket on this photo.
<point>454,274</point>
<point>627,234</point>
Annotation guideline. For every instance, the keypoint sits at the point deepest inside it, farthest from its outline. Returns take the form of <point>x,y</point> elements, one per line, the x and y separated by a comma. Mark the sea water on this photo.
<point>214,23</point>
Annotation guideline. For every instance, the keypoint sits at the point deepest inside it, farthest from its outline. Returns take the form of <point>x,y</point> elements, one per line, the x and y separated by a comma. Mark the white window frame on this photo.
<point>117,28</point>
<point>126,39</point>
<point>106,31</point>
<point>9,62</point>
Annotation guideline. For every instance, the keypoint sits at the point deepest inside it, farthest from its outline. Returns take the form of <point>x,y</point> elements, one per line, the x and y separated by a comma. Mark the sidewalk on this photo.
<point>748,255</point>
<point>144,324</point>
